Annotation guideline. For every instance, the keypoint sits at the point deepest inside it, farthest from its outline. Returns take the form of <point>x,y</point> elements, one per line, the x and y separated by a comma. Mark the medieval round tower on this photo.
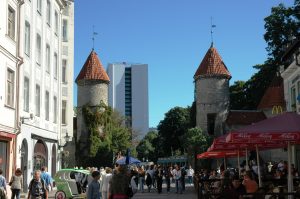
<point>212,93</point>
<point>92,90</point>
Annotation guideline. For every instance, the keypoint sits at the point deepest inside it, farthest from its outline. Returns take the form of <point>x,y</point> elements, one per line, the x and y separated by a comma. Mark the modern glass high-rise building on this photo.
<point>128,94</point>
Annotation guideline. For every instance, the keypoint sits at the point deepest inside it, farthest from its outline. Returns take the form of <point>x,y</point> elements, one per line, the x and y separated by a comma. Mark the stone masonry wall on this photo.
<point>212,96</point>
<point>91,94</point>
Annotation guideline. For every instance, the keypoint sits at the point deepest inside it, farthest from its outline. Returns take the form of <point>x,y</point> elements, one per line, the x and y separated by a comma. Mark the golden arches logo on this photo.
<point>277,110</point>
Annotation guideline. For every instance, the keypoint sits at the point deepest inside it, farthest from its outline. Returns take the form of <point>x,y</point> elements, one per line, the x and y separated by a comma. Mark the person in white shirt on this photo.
<point>177,176</point>
<point>105,182</point>
<point>190,173</point>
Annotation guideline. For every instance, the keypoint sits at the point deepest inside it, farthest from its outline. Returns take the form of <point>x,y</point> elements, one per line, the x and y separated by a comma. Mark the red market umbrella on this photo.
<point>221,144</point>
<point>283,130</point>
<point>218,154</point>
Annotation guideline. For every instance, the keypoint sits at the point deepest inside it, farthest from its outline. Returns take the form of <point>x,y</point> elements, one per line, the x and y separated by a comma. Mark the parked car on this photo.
<point>71,183</point>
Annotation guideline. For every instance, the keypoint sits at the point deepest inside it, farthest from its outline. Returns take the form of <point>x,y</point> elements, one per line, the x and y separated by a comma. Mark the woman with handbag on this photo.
<point>16,183</point>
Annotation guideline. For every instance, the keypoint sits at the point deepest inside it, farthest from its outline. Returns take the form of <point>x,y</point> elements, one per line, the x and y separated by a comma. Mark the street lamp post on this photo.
<point>67,139</point>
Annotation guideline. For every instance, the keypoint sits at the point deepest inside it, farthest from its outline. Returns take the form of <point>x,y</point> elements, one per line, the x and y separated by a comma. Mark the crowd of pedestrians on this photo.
<point>120,182</point>
<point>123,182</point>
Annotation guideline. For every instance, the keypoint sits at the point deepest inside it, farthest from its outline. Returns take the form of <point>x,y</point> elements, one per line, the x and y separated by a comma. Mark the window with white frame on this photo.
<point>11,17</point>
<point>37,100</point>
<point>47,105</point>
<point>64,112</point>
<point>56,22</point>
<point>38,49</point>
<point>27,38</point>
<point>26,95</point>
<point>55,109</point>
<point>39,6</point>
<point>65,30</point>
<point>55,65</point>
<point>64,71</point>
<point>47,58</point>
<point>10,87</point>
<point>48,12</point>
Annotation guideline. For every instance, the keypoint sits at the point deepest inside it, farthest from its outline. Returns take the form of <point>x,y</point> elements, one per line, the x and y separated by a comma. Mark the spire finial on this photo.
<point>93,38</point>
<point>211,31</point>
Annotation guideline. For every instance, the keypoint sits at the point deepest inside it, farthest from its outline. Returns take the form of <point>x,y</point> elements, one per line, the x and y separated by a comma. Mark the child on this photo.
<point>94,186</point>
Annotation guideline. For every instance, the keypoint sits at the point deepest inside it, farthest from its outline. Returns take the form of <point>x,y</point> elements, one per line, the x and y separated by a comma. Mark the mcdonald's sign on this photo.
<point>277,110</point>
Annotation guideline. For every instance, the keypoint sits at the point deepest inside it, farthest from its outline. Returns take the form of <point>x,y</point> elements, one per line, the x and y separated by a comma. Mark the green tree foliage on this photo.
<point>147,147</point>
<point>238,98</point>
<point>171,128</point>
<point>195,142</point>
<point>281,25</point>
<point>107,135</point>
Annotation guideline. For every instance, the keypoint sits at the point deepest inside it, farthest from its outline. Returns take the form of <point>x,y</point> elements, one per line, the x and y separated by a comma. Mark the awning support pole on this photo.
<point>258,167</point>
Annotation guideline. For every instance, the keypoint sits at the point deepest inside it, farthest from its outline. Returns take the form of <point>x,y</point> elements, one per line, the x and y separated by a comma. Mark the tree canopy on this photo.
<point>147,148</point>
<point>281,26</point>
<point>175,124</point>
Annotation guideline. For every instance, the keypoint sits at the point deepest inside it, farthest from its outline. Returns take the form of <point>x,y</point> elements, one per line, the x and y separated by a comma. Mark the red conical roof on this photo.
<point>274,95</point>
<point>92,69</point>
<point>212,65</point>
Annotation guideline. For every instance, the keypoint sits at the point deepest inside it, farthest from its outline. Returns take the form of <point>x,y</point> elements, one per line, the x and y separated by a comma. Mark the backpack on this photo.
<point>37,188</point>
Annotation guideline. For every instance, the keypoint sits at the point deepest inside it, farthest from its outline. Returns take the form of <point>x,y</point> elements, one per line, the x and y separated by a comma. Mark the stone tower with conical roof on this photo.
<point>92,89</point>
<point>212,93</point>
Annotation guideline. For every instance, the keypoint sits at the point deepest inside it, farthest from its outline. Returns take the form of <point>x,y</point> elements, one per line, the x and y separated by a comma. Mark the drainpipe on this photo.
<point>19,63</point>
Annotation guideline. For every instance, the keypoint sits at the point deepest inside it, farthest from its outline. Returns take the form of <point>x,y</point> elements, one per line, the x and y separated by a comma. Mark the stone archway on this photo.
<point>53,160</point>
<point>24,163</point>
<point>40,157</point>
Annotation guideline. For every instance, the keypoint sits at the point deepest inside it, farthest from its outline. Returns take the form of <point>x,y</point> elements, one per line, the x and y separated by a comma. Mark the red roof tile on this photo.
<point>212,65</point>
<point>242,117</point>
<point>274,95</point>
<point>92,69</point>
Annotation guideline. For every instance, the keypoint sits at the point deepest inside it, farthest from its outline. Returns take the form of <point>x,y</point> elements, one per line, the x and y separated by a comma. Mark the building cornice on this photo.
<point>8,54</point>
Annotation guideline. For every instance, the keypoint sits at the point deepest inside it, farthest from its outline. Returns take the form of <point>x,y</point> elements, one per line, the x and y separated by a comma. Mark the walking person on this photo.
<point>46,177</point>
<point>133,182</point>
<point>16,183</point>
<point>3,190</point>
<point>183,174</point>
<point>94,186</point>
<point>159,179</point>
<point>177,176</point>
<point>119,184</point>
<point>105,182</point>
<point>190,174</point>
<point>168,176</point>
<point>37,187</point>
<point>148,180</point>
<point>141,175</point>
<point>154,169</point>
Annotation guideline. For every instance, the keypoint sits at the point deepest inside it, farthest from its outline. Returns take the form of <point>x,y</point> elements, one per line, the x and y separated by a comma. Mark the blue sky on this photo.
<point>172,37</point>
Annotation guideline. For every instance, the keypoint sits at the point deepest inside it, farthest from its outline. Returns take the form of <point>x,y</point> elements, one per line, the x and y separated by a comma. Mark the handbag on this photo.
<point>129,191</point>
<point>10,183</point>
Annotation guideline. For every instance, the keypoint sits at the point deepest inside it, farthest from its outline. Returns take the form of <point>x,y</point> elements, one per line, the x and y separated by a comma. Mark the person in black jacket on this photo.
<point>183,174</point>
<point>168,176</point>
<point>159,178</point>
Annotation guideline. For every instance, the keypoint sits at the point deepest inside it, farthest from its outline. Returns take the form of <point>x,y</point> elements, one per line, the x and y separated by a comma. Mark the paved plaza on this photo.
<point>189,193</point>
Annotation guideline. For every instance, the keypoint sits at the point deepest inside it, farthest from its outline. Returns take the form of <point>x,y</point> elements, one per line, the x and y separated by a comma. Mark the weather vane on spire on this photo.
<point>211,30</point>
<point>93,38</point>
